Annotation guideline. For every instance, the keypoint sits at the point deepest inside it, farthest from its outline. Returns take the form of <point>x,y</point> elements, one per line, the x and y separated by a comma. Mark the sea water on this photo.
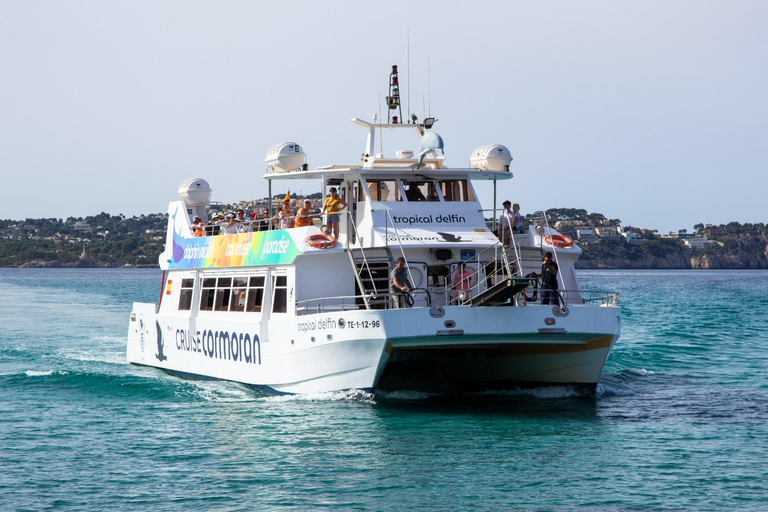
<point>679,420</point>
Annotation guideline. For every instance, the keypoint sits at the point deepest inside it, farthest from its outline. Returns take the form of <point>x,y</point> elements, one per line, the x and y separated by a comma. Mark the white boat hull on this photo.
<point>445,349</point>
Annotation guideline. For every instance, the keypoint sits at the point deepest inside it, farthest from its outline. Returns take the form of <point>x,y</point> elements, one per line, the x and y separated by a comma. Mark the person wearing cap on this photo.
<point>333,205</point>
<point>304,215</point>
<point>197,226</point>
<point>230,228</point>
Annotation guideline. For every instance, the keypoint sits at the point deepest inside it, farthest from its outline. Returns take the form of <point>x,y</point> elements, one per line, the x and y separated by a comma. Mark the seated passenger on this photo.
<point>413,193</point>
<point>304,215</point>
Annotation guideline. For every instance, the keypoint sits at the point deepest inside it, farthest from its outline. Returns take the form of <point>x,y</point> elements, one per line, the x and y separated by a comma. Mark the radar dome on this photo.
<point>491,158</point>
<point>285,157</point>
<point>195,192</point>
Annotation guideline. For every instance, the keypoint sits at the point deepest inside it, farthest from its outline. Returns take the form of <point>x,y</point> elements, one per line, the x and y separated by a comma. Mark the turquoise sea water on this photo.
<point>679,421</point>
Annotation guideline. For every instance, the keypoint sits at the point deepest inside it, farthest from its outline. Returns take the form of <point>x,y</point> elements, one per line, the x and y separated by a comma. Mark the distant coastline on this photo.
<point>113,241</point>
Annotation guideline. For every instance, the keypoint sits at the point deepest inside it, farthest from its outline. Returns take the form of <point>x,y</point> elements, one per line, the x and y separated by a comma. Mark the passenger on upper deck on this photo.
<point>506,223</point>
<point>230,227</point>
<point>197,226</point>
<point>333,204</point>
<point>285,217</point>
<point>262,220</point>
<point>517,221</point>
<point>304,215</point>
<point>243,224</point>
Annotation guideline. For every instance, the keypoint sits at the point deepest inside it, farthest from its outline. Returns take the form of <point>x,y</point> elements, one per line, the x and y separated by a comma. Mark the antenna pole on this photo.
<point>429,87</point>
<point>408,69</point>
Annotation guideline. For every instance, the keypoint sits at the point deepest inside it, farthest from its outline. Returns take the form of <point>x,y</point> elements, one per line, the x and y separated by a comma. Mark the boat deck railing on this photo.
<point>424,298</point>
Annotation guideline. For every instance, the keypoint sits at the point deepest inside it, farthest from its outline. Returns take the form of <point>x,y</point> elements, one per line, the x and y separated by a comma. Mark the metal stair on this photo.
<point>372,266</point>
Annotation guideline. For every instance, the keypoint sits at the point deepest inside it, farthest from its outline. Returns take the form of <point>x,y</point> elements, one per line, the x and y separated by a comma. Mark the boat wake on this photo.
<point>349,395</point>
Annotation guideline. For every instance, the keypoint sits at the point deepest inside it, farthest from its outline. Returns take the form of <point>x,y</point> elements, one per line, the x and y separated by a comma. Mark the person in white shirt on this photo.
<point>506,223</point>
<point>230,228</point>
<point>243,224</point>
<point>517,221</point>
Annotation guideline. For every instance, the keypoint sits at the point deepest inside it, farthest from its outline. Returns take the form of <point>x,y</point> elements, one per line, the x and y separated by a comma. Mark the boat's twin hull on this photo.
<point>440,349</point>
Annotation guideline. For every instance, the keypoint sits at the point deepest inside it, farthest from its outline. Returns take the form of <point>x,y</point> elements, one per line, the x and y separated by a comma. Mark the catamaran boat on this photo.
<point>301,311</point>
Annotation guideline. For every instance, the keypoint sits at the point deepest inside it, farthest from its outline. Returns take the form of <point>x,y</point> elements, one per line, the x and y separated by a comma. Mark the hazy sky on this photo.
<point>653,112</point>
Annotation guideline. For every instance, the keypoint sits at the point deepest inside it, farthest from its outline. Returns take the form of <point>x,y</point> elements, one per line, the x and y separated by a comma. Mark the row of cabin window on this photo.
<point>387,190</point>
<point>234,294</point>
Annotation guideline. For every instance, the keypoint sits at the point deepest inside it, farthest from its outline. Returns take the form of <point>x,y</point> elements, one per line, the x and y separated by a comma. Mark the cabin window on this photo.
<point>383,190</point>
<point>421,191</point>
<point>436,276</point>
<point>456,190</point>
<point>280,297</point>
<point>239,291</point>
<point>255,294</point>
<point>223,294</point>
<point>185,295</point>
<point>233,294</point>
<point>207,294</point>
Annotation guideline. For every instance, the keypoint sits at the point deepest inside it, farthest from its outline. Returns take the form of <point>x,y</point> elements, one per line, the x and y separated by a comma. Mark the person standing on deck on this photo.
<point>333,205</point>
<point>505,223</point>
<point>399,284</point>
<point>549,281</point>
<point>517,219</point>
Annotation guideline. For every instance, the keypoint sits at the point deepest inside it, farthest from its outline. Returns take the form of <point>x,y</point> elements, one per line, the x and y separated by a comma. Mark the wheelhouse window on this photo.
<point>421,191</point>
<point>185,295</point>
<point>456,190</point>
<point>280,297</point>
<point>383,190</point>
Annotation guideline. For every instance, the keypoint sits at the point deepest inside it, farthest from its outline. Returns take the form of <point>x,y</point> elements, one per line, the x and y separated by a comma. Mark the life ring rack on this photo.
<point>535,285</point>
<point>320,241</point>
<point>559,241</point>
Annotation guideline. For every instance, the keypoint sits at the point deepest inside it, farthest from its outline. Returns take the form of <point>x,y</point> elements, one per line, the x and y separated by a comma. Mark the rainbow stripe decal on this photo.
<point>244,249</point>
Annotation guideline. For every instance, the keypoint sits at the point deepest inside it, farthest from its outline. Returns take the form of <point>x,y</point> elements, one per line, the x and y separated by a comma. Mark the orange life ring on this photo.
<point>558,241</point>
<point>320,241</point>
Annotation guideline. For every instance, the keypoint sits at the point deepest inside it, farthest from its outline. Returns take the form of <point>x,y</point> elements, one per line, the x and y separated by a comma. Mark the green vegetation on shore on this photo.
<point>106,240</point>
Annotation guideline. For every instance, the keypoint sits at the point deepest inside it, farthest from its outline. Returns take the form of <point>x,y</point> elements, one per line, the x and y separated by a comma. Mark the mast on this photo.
<point>395,111</point>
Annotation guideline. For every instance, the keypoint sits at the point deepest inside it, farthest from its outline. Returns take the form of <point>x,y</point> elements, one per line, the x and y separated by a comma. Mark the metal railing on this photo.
<point>352,302</point>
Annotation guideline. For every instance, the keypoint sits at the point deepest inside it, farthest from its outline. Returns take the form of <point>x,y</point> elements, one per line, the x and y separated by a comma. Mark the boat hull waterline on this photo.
<point>352,349</point>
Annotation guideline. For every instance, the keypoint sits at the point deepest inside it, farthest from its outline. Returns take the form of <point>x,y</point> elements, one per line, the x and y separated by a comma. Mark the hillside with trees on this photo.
<point>106,240</point>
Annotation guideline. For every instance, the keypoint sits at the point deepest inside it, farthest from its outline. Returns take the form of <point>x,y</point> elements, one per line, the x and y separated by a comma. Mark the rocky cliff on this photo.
<point>743,252</point>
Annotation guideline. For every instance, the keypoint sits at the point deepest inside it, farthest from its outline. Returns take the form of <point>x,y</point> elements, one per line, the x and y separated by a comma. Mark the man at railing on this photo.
<point>304,215</point>
<point>399,284</point>
<point>549,281</point>
<point>243,224</point>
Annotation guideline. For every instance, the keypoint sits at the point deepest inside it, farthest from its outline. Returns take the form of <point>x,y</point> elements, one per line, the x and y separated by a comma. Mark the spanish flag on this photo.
<point>287,196</point>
